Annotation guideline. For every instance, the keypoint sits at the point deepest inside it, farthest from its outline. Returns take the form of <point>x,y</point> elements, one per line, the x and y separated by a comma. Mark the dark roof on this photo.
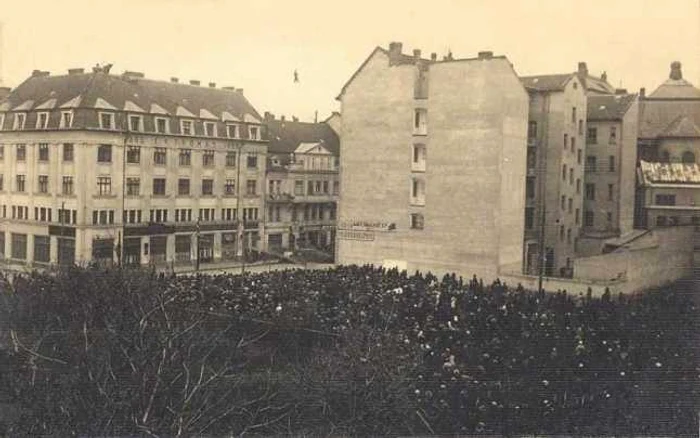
<point>656,116</point>
<point>286,136</point>
<point>609,107</point>
<point>596,85</point>
<point>117,89</point>
<point>669,173</point>
<point>681,127</point>
<point>546,82</point>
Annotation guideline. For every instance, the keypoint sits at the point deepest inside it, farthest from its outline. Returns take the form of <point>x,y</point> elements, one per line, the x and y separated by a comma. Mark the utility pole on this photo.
<point>542,176</point>
<point>196,260</point>
<point>543,252</point>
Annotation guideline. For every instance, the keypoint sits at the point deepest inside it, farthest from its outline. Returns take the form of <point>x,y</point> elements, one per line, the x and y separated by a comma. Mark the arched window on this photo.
<point>665,157</point>
<point>688,157</point>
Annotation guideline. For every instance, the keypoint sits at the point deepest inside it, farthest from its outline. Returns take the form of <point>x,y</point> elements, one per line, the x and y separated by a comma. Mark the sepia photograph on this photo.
<point>455,218</point>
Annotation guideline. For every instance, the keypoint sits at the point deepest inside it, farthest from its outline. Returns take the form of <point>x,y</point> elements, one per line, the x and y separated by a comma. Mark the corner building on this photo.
<point>108,168</point>
<point>433,164</point>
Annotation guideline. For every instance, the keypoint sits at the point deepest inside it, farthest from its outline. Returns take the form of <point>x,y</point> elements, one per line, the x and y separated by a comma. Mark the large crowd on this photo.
<point>498,358</point>
<point>494,358</point>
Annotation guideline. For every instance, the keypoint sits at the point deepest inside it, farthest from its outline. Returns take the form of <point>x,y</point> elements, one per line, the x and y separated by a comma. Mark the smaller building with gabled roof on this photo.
<point>303,184</point>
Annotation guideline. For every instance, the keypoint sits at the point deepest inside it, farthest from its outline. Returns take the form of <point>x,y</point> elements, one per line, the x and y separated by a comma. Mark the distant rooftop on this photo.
<point>609,107</point>
<point>675,87</point>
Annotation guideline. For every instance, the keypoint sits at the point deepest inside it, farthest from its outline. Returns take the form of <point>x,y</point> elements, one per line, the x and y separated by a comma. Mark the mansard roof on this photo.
<point>101,90</point>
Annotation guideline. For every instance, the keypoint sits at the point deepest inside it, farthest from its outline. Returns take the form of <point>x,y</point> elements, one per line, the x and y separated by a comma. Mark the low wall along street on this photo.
<point>660,257</point>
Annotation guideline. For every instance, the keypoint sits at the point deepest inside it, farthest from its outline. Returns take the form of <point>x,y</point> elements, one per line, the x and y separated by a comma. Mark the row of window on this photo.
<point>133,155</point>
<point>687,157</point>
<point>161,125</point>
<point>160,215</point>
<point>18,247</point>
<point>42,120</point>
<point>591,192</point>
<point>310,212</point>
<point>589,219</point>
<point>570,174</point>
<point>592,135</point>
<point>41,214</point>
<point>133,186</point>
<point>592,164</point>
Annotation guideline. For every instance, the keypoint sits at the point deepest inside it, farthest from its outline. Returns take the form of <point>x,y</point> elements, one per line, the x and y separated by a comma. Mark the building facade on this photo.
<point>120,168</point>
<point>303,185</point>
<point>555,172</point>
<point>668,192</point>
<point>432,168</point>
<point>611,159</point>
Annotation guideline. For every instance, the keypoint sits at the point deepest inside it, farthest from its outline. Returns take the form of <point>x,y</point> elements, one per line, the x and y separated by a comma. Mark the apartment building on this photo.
<point>108,168</point>
<point>610,169</point>
<point>555,171</point>
<point>303,184</point>
<point>432,169</point>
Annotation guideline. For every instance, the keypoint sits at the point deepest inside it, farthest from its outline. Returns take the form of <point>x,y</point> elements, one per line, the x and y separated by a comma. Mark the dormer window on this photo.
<point>186,127</point>
<point>254,132</point>
<point>162,125</point>
<point>42,120</point>
<point>210,129</point>
<point>18,123</point>
<point>106,120</point>
<point>135,123</point>
<point>232,131</point>
<point>66,119</point>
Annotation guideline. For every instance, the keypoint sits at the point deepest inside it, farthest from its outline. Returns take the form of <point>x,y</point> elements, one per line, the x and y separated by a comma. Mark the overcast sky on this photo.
<point>257,44</point>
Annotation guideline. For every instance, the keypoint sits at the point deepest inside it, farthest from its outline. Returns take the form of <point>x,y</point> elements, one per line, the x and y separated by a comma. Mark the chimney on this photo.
<point>485,55</point>
<point>282,117</point>
<point>433,56</point>
<point>76,71</point>
<point>604,77</point>
<point>36,73</point>
<point>642,92</point>
<point>619,91</point>
<point>194,82</point>
<point>449,56</point>
<point>40,73</point>
<point>229,88</point>
<point>212,84</point>
<point>394,52</point>
<point>582,69</point>
<point>174,80</point>
<point>269,116</point>
<point>416,54</point>
<point>676,73</point>
<point>240,90</point>
<point>295,119</point>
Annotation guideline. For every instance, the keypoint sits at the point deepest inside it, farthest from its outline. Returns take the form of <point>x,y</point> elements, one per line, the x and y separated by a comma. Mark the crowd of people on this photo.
<point>495,358</point>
